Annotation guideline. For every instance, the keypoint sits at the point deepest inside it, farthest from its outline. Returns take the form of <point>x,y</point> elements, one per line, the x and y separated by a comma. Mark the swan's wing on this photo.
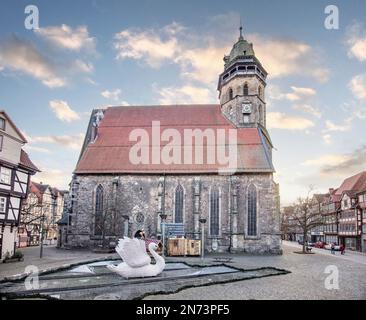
<point>133,252</point>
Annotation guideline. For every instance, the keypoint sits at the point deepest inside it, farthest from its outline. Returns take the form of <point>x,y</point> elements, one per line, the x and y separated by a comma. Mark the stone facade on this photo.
<point>133,195</point>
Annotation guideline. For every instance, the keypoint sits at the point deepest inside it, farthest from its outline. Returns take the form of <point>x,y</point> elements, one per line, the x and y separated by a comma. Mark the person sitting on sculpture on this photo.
<point>140,234</point>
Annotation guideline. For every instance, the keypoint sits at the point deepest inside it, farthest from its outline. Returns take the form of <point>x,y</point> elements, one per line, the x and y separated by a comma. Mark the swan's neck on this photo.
<point>159,260</point>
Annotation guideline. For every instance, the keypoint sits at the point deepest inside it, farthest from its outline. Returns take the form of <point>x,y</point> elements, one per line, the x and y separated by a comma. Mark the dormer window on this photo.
<point>2,123</point>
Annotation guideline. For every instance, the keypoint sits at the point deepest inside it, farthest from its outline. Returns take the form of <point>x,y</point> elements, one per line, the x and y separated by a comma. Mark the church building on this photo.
<point>126,179</point>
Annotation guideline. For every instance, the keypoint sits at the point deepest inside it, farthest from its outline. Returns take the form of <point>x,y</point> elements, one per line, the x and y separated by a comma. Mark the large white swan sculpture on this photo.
<point>136,262</point>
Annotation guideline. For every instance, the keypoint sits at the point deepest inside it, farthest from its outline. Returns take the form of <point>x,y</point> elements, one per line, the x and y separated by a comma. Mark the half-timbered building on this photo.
<point>15,171</point>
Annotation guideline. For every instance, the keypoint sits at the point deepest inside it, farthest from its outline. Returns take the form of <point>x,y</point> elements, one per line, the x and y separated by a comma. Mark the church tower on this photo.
<point>242,86</point>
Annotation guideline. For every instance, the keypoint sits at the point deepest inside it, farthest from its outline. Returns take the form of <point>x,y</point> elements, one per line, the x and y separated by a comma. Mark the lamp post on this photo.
<point>202,221</point>
<point>163,217</point>
<point>125,228</point>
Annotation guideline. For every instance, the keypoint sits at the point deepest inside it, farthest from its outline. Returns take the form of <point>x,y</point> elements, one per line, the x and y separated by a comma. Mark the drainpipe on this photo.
<point>230,220</point>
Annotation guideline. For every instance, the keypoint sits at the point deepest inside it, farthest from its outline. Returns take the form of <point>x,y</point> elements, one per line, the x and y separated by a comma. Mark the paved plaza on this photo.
<point>306,280</point>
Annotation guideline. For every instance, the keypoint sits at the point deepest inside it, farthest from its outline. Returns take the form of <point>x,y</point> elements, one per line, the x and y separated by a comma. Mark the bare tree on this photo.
<point>305,217</point>
<point>37,215</point>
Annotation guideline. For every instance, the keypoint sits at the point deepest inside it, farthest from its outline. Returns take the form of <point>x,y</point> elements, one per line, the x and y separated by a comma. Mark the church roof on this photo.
<point>109,153</point>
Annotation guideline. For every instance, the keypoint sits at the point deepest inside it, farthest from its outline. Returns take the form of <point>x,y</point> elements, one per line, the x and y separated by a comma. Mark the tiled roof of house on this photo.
<point>110,152</point>
<point>26,162</point>
<point>355,183</point>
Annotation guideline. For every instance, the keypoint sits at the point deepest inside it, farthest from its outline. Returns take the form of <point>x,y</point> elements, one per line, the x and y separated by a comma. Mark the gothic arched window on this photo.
<point>98,223</point>
<point>231,94</point>
<point>252,210</point>
<point>246,90</point>
<point>214,212</point>
<point>179,193</point>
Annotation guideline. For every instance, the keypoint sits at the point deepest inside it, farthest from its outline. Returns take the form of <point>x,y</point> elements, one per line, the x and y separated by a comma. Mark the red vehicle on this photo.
<point>319,244</point>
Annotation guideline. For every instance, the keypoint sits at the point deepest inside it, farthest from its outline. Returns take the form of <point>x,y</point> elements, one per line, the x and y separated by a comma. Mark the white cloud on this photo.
<point>112,95</point>
<point>340,164</point>
<point>63,111</point>
<point>358,86</point>
<point>297,93</point>
<point>331,126</point>
<point>184,95</point>
<point>36,149</point>
<point>73,142</point>
<point>82,66</point>
<point>331,160</point>
<point>66,37</point>
<point>199,57</point>
<point>308,109</point>
<point>22,56</point>
<point>54,177</point>
<point>284,57</point>
<point>149,45</point>
<point>278,120</point>
<point>356,41</point>
<point>327,138</point>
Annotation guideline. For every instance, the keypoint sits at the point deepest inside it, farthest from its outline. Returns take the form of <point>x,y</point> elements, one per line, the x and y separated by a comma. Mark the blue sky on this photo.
<point>91,53</point>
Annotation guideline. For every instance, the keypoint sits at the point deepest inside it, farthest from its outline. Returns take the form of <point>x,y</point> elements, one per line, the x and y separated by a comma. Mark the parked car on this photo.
<point>319,244</point>
<point>329,246</point>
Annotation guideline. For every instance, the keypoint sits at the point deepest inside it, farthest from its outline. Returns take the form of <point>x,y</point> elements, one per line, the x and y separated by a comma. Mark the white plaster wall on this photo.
<point>8,241</point>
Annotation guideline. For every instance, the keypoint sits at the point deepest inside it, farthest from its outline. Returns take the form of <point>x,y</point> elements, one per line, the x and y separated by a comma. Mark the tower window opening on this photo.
<point>246,89</point>
<point>231,94</point>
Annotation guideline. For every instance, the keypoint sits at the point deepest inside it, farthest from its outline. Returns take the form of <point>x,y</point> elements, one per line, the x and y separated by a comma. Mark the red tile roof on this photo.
<point>355,183</point>
<point>26,162</point>
<point>110,152</point>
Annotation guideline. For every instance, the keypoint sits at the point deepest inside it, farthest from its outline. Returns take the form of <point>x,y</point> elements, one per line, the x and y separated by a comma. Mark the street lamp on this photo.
<point>125,229</point>
<point>163,216</point>
<point>202,221</point>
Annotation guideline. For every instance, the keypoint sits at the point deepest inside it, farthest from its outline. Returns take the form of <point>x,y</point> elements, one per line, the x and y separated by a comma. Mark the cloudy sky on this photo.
<point>91,53</point>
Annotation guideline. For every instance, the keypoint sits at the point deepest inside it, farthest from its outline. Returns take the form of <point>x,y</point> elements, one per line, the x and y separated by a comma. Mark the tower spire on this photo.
<point>241,30</point>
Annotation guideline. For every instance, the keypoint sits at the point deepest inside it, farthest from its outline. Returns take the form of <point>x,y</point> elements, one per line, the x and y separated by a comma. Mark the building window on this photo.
<point>1,142</point>
<point>246,90</point>
<point>2,124</point>
<point>2,204</point>
<point>231,94</point>
<point>179,204</point>
<point>260,92</point>
<point>5,175</point>
<point>252,210</point>
<point>246,119</point>
<point>214,212</point>
<point>98,227</point>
